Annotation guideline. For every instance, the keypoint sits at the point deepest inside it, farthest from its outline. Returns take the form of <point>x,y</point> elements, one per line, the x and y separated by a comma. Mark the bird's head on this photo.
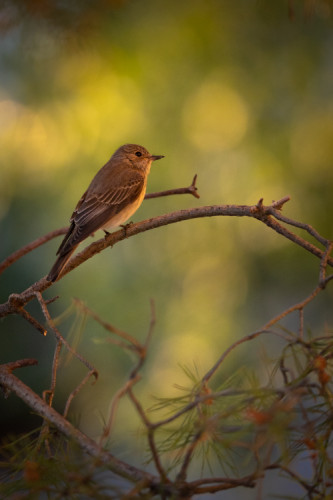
<point>138,157</point>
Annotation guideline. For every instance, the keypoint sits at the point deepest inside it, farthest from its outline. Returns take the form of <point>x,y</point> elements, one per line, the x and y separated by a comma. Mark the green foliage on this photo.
<point>280,424</point>
<point>238,427</point>
<point>54,467</point>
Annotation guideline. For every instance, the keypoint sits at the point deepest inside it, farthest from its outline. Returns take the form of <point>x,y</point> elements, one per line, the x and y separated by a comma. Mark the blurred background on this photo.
<point>239,93</point>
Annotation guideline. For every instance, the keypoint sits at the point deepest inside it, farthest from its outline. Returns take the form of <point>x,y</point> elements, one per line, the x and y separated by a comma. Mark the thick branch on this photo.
<point>11,382</point>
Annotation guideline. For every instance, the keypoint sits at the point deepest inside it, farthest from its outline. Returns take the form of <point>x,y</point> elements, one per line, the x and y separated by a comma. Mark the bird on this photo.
<point>114,194</point>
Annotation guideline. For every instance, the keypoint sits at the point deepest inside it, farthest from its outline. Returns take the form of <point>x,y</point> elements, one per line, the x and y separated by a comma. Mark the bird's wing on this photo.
<point>95,209</point>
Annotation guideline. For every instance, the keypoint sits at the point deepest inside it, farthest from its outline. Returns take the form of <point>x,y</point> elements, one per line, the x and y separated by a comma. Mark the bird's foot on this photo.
<point>125,227</point>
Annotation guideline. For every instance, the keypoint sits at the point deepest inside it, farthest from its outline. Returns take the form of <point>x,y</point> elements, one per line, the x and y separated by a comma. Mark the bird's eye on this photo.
<point>138,153</point>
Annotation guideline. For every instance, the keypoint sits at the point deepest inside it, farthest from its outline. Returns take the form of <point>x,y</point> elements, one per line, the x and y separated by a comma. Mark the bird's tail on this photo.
<point>59,265</point>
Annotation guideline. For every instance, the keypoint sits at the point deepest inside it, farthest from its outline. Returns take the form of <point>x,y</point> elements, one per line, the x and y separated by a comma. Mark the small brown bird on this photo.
<point>115,193</point>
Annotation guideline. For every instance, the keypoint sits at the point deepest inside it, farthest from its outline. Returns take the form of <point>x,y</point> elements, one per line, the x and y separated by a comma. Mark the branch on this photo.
<point>192,189</point>
<point>134,377</point>
<point>323,280</point>
<point>12,383</point>
<point>258,211</point>
<point>59,337</point>
<point>134,343</point>
<point>31,246</point>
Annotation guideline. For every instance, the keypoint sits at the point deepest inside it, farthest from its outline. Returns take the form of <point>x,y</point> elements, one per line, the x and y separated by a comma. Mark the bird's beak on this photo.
<point>156,157</point>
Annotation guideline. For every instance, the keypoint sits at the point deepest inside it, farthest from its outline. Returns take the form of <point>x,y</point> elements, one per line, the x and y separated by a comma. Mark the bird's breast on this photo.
<point>124,214</point>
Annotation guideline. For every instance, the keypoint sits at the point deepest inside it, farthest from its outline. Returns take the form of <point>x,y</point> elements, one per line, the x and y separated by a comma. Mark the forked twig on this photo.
<point>134,377</point>
<point>192,189</point>
<point>77,390</point>
<point>151,440</point>
<point>114,406</point>
<point>60,338</point>
<point>108,326</point>
<point>233,346</point>
<point>323,280</point>
<point>63,342</point>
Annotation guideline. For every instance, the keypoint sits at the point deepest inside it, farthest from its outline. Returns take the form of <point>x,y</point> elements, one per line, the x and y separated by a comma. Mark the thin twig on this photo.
<point>77,390</point>
<point>27,316</point>
<point>31,246</point>
<point>134,491</point>
<point>310,488</point>
<point>55,364</point>
<point>216,484</point>
<point>192,189</point>
<point>20,363</point>
<point>295,307</point>
<point>301,305</point>
<point>60,338</point>
<point>141,351</point>
<point>150,430</point>
<point>48,396</point>
<point>108,326</point>
<point>233,346</point>
<point>323,265</point>
<point>300,225</point>
<point>181,476</point>
<point>151,324</point>
<point>14,365</point>
<point>201,398</point>
<point>114,406</point>
<point>301,323</point>
<point>273,224</point>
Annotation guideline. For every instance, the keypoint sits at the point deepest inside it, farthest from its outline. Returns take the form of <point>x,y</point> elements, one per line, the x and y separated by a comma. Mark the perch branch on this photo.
<point>192,189</point>
<point>258,211</point>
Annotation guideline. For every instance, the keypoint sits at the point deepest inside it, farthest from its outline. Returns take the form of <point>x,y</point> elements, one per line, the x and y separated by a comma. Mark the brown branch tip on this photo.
<point>193,188</point>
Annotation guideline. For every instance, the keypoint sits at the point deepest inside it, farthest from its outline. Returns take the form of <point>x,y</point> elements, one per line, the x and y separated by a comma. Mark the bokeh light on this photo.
<point>235,92</point>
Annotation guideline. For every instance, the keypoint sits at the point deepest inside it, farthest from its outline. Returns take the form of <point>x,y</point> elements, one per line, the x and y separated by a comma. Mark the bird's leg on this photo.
<point>125,226</point>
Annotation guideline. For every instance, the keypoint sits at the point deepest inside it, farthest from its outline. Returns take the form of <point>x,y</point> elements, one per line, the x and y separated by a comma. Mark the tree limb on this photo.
<point>12,383</point>
<point>260,212</point>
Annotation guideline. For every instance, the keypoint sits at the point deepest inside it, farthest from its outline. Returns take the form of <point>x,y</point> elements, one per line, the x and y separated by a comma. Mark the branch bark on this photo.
<point>265,214</point>
<point>12,383</point>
